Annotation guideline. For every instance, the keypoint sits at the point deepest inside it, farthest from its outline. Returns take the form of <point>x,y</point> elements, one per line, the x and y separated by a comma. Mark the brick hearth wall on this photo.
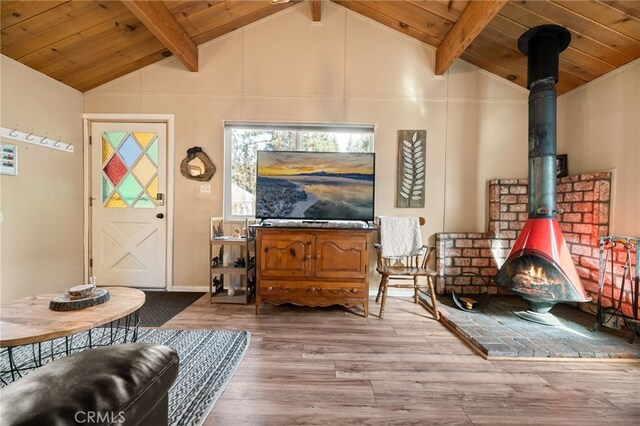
<point>584,200</point>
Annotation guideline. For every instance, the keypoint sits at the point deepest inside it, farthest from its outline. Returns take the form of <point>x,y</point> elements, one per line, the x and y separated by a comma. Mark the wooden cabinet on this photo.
<point>312,267</point>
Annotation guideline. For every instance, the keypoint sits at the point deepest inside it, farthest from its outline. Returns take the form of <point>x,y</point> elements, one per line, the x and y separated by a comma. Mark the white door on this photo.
<point>128,213</point>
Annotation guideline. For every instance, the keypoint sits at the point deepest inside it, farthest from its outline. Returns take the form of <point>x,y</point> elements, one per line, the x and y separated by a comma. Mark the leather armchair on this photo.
<point>121,384</point>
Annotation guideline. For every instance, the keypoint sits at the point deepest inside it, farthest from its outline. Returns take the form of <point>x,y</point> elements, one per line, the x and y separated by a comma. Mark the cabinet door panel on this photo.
<point>283,254</point>
<point>343,257</point>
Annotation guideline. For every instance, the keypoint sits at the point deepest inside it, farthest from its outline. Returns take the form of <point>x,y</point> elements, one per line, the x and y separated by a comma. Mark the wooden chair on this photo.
<point>407,268</point>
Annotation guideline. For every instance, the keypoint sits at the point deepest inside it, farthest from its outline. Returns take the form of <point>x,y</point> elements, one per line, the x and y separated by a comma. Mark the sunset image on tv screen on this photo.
<point>315,185</point>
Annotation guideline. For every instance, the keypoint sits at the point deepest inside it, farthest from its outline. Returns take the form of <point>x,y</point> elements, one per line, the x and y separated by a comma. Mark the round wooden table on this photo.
<point>30,321</point>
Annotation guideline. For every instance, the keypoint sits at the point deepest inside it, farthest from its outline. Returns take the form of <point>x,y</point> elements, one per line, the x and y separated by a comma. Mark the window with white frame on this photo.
<point>244,140</point>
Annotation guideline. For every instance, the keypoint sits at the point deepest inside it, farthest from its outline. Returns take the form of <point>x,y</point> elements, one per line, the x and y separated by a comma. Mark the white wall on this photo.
<point>41,230</point>
<point>345,69</point>
<point>599,129</point>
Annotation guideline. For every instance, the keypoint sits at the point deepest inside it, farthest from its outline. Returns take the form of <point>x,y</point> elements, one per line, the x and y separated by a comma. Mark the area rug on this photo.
<point>160,306</point>
<point>208,361</point>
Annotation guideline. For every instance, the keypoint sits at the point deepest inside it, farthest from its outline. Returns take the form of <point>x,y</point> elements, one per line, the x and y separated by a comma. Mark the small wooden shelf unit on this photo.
<point>312,266</point>
<point>220,275</point>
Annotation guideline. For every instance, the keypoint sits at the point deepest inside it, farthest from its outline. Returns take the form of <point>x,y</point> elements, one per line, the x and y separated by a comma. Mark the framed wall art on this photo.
<point>562,165</point>
<point>9,165</point>
<point>412,161</point>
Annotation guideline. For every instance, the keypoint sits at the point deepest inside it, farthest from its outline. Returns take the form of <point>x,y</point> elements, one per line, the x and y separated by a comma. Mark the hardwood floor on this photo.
<point>331,366</point>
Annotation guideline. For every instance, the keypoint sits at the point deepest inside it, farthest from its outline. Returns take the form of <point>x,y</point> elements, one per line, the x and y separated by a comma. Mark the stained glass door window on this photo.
<point>129,169</point>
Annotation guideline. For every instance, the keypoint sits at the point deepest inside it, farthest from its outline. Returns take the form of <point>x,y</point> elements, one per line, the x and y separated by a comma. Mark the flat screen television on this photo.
<point>315,185</point>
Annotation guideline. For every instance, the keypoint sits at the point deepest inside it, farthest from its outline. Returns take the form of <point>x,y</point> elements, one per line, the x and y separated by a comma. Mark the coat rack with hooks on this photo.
<point>45,141</point>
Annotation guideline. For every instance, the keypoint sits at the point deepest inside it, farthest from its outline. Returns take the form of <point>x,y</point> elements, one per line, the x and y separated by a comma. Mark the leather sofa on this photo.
<point>112,385</point>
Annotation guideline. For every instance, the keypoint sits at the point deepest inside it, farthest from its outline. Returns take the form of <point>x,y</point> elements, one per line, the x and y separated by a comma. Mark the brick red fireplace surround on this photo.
<point>584,200</point>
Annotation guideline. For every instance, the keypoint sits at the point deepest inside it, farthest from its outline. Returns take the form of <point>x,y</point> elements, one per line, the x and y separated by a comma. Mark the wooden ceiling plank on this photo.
<point>85,44</point>
<point>630,7</point>
<point>36,36</point>
<point>408,14</point>
<point>585,27</point>
<point>585,44</point>
<point>119,72</point>
<point>475,17</point>
<point>91,41</point>
<point>448,9</point>
<point>108,60</point>
<point>157,18</point>
<point>505,57</point>
<point>185,9</point>
<point>207,21</point>
<point>578,57</point>
<point>15,12</point>
<point>7,4</point>
<point>361,9</point>
<point>605,15</point>
<point>316,11</point>
<point>518,77</point>
<point>508,58</point>
<point>57,17</point>
<point>234,24</point>
<point>494,34</point>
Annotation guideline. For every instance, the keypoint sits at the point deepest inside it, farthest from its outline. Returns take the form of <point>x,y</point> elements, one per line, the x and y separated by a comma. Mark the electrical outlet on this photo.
<point>205,189</point>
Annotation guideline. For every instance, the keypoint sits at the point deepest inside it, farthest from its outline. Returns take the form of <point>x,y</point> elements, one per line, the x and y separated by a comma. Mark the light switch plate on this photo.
<point>205,189</point>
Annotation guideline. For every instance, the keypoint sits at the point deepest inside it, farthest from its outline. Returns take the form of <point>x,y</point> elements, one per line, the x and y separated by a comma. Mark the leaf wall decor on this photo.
<point>412,146</point>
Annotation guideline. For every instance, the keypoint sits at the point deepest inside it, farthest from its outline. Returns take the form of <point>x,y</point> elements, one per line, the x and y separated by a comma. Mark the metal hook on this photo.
<point>70,147</point>
<point>42,141</point>
<point>13,131</point>
<point>57,143</point>
<point>29,138</point>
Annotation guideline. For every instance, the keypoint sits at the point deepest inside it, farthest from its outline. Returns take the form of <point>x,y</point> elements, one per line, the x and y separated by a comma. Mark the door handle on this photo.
<point>160,215</point>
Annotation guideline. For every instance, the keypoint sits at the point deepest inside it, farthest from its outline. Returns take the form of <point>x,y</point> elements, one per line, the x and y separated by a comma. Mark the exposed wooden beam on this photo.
<point>316,10</point>
<point>161,23</point>
<point>474,18</point>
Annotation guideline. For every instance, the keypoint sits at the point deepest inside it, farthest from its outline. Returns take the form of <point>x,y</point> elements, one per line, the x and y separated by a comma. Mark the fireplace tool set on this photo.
<point>608,247</point>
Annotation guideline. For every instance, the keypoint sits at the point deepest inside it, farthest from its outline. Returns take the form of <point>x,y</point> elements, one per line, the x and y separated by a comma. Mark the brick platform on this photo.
<point>497,332</point>
<point>584,200</point>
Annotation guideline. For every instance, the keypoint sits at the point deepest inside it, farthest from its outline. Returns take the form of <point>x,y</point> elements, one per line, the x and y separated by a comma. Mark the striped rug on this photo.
<point>208,360</point>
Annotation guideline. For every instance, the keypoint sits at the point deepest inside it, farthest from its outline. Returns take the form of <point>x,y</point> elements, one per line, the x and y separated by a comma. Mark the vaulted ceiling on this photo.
<point>87,43</point>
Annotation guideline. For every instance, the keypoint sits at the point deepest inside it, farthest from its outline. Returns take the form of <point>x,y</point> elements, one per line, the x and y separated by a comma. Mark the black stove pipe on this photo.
<point>543,45</point>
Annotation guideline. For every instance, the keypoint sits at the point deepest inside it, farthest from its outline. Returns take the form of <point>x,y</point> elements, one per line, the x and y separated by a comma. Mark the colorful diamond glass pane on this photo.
<point>129,151</point>
<point>107,189</point>
<point>152,151</point>
<point>107,150</point>
<point>114,138</point>
<point>144,138</point>
<point>129,189</point>
<point>115,201</point>
<point>115,169</point>
<point>144,170</point>
<point>144,202</point>
<point>152,189</point>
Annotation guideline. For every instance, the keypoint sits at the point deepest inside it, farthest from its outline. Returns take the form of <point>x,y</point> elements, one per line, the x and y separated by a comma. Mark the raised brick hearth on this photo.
<point>584,201</point>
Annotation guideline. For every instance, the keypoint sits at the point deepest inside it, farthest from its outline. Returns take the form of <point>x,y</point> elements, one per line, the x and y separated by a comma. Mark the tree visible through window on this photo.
<point>244,143</point>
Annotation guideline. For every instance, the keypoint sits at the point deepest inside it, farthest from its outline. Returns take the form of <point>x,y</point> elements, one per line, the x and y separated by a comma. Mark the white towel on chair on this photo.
<point>400,236</point>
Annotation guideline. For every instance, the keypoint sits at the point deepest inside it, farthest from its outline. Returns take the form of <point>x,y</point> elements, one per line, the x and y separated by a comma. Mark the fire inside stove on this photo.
<point>535,277</point>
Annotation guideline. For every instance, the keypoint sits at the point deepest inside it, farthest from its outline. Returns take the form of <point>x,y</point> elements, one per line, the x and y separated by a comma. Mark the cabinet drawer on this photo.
<point>311,289</point>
